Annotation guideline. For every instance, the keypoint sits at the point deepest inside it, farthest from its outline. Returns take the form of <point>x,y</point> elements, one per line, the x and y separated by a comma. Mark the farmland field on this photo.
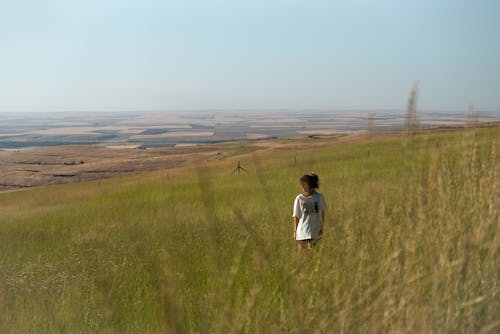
<point>411,244</point>
<point>164,129</point>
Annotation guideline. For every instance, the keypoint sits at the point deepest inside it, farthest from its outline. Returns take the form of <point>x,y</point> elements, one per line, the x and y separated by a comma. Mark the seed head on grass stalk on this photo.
<point>411,118</point>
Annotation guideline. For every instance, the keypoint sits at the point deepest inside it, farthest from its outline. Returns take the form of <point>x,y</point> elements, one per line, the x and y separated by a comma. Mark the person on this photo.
<point>308,213</point>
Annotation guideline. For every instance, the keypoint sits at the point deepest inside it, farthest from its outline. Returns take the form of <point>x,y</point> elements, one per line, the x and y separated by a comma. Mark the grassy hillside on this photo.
<point>411,245</point>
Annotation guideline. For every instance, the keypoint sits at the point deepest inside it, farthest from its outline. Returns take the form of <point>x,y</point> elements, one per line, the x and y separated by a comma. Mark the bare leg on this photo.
<point>303,245</point>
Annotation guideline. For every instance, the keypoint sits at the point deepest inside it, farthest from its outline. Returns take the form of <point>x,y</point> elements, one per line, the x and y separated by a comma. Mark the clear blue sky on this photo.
<point>65,55</point>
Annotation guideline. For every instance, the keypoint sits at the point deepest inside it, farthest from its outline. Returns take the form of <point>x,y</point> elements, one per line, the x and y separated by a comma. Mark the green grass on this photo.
<point>411,245</point>
<point>243,149</point>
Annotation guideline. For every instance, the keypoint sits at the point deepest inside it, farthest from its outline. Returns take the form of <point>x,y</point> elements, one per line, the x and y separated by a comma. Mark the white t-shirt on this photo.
<point>308,209</point>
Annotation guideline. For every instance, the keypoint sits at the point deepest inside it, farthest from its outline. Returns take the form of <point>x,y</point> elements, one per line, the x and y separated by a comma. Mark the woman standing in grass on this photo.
<point>308,213</point>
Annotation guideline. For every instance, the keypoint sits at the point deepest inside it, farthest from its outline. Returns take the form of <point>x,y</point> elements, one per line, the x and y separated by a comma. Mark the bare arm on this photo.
<point>295,223</point>
<point>322,222</point>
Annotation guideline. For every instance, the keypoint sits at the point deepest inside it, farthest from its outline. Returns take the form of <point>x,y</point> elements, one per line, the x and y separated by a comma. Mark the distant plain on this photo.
<point>161,129</point>
<point>51,148</point>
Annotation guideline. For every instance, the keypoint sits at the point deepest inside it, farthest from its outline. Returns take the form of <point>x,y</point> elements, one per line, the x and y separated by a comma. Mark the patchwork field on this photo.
<point>164,129</point>
<point>411,243</point>
<point>33,167</point>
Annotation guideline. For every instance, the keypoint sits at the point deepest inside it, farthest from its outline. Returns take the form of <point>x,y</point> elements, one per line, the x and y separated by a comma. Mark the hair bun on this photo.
<point>312,179</point>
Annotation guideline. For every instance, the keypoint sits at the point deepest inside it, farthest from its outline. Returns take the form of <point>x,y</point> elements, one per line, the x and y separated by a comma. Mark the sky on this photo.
<point>152,55</point>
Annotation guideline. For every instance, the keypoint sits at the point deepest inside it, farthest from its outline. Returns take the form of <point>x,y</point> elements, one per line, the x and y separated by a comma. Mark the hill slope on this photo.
<point>411,245</point>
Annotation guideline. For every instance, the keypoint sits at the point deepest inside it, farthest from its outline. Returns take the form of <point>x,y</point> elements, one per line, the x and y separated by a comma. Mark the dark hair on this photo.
<point>311,179</point>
